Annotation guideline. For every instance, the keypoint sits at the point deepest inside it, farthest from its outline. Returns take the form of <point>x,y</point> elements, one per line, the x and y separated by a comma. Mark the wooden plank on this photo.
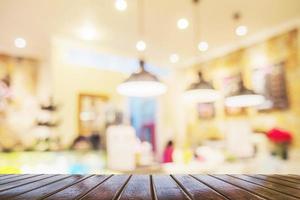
<point>167,189</point>
<point>110,189</point>
<point>3,175</point>
<point>79,189</point>
<point>254,188</point>
<point>228,190</point>
<point>276,180</point>
<point>286,178</point>
<point>196,189</point>
<point>146,187</point>
<point>50,188</point>
<point>23,182</point>
<point>18,178</point>
<point>138,187</point>
<point>9,176</point>
<point>16,189</point>
<point>294,176</point>
<point>274,186</point>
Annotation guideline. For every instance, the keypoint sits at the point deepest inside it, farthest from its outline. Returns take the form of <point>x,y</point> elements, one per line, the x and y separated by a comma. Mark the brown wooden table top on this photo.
<point>169,187</point>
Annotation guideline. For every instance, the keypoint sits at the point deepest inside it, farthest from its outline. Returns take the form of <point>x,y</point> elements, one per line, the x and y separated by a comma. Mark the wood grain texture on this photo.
<point>274,186</point>
<point>164,187</point>
<point>254,188</point>
<point>79,189</point>
<point>228,190</point>
<point>196,189</point>
<point>275,180</point>
<point>22,184</point>
<point>285,178</point>
<point>139,187</point>
<point>50,188</point>
<point>110,189</point>
<point>149,187</point>
<point>291,177</point>
<point>8,176</point>
<point>12,190</point>
<point>18,178</point>
<point>294,176</point>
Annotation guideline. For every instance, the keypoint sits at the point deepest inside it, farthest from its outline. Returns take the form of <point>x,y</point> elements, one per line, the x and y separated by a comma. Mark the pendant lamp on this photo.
<point>244,98</point>
<point>142,84</point>
<point>201,91</point>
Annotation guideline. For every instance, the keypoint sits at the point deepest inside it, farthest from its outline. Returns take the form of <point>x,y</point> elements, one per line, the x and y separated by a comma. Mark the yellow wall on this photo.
<point>70,80</point>
<point>284,47</point>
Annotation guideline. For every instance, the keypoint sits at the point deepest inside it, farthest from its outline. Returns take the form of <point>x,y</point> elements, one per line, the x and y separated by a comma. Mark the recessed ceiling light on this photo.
<point>121,5</point>
<point>174,58</point>
<point>241,30</point>
<point>20,43</point>
<point>203,46</point>
<point>88,32</point>
<point>182,23</point>
<point>141,45</point>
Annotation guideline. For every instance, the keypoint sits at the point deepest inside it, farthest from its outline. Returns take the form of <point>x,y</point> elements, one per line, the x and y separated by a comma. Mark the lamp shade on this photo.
<point>244,98</point>
<point>201,91</point>
<point>142,84</point>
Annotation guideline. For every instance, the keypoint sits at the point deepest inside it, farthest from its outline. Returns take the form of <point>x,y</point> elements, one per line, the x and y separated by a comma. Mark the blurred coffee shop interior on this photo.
<point>149,86</point>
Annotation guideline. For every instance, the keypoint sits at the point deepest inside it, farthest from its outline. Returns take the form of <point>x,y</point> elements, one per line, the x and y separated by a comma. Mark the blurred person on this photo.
<point>168,152</point>
<point>95,140</point>
<point>81,143</point>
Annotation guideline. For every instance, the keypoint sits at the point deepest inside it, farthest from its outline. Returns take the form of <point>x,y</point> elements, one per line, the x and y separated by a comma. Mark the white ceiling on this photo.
<point>40,20</point>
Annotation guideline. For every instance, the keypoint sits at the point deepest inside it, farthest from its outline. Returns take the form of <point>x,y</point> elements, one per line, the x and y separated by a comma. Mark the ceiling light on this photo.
<point>244,98</point>
<point>141,45</point>
<point>20,43</point>
<point>241,30</point>
<point>174,58</point>
<point>201,92</point>
<point>121,5</point>
<point>88,32</point>
<point>142,84</point>
<point>182,23</point>
<point>203,46</point>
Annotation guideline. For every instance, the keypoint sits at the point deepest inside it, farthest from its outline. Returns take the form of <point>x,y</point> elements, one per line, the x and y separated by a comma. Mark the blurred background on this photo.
<point>149,86</point>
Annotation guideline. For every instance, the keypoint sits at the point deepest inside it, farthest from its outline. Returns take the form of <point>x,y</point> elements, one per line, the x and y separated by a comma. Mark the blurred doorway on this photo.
<point>143,114</point>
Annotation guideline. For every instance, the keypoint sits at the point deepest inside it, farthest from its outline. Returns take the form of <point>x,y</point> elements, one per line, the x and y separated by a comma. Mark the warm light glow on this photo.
<point>201,95</point>
<point>241,30</point>
<point>88,32</point>
<point>121,5</point>
<point>20,43</point>
<point>174,58</point>
<point>248,100</point>
<point>141,45</point>
<point>142,88</point>
<point>87,116</point>
<point>182,23</point>
<point>203,46</point>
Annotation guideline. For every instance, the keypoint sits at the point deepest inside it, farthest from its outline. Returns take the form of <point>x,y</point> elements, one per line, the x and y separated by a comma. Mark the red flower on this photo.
<point>279,136</point>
